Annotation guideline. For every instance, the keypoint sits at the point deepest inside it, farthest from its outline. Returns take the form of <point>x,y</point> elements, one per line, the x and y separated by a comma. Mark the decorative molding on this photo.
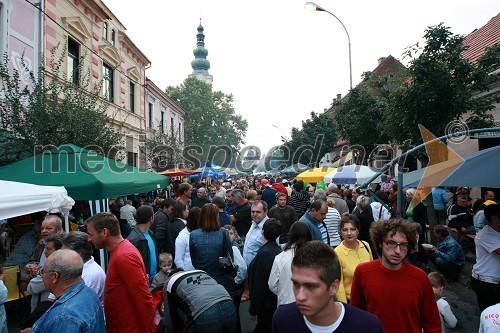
<point>134,73</point>
<point>76,26</point>
<point>110,54</point>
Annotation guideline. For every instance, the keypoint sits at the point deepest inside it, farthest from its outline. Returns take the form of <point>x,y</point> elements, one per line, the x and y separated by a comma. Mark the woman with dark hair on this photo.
<point>281,272</point>
<point>207,245</point>
<point>183,257</point>
<point>351,252</point>
<point>174,227</point>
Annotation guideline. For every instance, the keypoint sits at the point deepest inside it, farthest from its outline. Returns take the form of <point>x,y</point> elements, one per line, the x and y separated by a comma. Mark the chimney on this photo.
<point>339,97</point>
<point>381,60</point>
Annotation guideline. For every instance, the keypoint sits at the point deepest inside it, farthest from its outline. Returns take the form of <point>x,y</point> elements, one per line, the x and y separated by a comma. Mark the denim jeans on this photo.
<point>219,318</point>
<point>448,269</point>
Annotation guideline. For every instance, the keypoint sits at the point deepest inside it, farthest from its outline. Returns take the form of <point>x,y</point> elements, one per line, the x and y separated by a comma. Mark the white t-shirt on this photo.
<point>326,329</point>
<point>487,263</point>
<point>490,319</point>
<point>384,215</point>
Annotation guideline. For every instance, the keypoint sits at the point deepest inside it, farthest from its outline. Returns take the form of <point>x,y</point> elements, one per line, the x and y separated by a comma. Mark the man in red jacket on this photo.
<point>398,293</point>
<point>128,304</point>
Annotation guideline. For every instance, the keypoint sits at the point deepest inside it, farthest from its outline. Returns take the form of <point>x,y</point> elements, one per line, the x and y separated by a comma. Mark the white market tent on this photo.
<point>20,198</point>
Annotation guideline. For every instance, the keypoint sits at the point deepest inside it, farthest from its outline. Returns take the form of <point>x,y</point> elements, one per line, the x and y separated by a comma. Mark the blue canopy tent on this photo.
<point>210,170</point>
<point>476,169</point>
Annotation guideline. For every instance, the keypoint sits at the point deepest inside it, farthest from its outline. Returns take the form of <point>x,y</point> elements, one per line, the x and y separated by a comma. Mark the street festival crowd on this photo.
<point>307,258</point>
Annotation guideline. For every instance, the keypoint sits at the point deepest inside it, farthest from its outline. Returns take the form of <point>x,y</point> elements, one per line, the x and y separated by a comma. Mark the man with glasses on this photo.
<point>62,276</point>
<point>398,293</point>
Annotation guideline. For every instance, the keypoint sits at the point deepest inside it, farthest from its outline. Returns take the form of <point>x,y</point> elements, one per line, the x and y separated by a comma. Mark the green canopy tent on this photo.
<point>85,174</point>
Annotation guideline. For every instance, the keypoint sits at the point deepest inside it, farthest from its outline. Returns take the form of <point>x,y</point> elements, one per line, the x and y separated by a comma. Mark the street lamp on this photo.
<point>282,133</point>
<point>314,7</point>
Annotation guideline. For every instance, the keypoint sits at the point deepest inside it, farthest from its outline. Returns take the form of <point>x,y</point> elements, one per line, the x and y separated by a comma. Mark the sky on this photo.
<point>278,60</point>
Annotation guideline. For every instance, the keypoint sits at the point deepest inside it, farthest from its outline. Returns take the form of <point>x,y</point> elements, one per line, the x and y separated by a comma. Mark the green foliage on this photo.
<point>212,120</point>
<point>51,111</point>
<point>317,132</point>
<point>357,119</point>
<point>438,90</point>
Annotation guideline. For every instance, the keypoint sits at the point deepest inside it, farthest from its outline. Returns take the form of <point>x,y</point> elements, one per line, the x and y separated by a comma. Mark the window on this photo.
<point>180,131</point>
<point>150,114</point>
<point>162,122</point>
<point>172,128</point>
<point>113,37</point>
<point>132,158</point>
<point>132,97</point>
<point>73,59</point>
<point>108,82</point>
<point>105,30</point>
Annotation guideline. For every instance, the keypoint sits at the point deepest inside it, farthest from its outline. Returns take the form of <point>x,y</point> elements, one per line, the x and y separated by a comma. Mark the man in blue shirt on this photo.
<point>448,256</point>
<point>254,238</point>
<point>314,219</point>
<point>142,238</point>
<point>440,199</point>
<point>77,308</point>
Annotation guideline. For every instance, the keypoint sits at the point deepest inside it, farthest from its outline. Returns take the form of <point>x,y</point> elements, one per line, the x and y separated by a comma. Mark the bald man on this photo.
<point>62,276</point>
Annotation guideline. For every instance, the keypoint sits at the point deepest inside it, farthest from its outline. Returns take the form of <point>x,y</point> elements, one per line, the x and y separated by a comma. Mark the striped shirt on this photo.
<point>332,222</point>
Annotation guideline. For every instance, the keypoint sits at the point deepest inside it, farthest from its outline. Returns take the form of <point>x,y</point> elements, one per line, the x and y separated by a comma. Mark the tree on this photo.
<point>56,113</point>
<point>439,88</point>
<point>161,151</point>
<point>212,121</point>
<point>309,143</point>
<point>357,119</point>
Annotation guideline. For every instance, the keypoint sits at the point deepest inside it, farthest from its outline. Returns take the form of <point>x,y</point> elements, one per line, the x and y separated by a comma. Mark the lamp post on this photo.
<point>282,133</point>
<point>312,6</point>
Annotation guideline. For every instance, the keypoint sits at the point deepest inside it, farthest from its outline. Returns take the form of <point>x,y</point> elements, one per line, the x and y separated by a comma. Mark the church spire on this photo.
<point>200,64</point>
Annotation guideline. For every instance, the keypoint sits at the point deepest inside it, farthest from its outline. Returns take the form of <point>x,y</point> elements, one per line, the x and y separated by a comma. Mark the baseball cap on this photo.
<point>264,182</point>
<point>489,202</point>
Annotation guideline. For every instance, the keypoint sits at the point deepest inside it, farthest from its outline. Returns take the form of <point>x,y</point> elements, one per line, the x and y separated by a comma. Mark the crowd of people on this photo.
<point>306,259</point>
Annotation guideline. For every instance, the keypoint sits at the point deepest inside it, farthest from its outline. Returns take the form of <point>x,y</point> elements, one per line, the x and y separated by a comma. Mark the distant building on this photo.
<point>164,123</point>
<point>200,64</point>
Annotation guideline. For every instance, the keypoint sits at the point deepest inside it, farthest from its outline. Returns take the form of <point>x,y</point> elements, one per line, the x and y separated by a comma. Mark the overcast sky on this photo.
<point>279,60</point>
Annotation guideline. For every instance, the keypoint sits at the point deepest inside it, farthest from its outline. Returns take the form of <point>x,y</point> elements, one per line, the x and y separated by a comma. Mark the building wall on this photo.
<point>172,113</point>
<point>20,35</point>
<point>83,21</point>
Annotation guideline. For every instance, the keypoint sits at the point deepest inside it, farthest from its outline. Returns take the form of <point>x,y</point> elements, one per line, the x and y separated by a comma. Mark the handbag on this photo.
<point>226,263</point>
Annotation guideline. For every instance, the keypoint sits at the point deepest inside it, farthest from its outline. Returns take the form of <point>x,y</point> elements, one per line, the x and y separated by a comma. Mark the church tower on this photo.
<point>200,64</point>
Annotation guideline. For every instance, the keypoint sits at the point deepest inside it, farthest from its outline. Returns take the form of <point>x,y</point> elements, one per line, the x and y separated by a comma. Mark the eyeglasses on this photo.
<point>392,244</point>
<point>42,271</point>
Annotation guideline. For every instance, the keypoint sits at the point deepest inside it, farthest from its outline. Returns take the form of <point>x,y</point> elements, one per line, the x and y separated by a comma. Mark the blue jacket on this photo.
<point>313,226</point>
<point>68,314</point>
<point>205,248</point>
<point>449,250</point>
<point>439,198</point>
